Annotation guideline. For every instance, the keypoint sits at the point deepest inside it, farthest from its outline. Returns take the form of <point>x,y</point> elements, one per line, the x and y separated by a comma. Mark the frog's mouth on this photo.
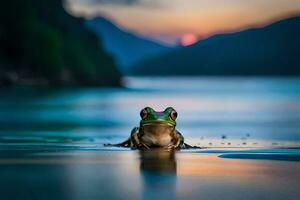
<point>158,128</point>
<point>158,123</point>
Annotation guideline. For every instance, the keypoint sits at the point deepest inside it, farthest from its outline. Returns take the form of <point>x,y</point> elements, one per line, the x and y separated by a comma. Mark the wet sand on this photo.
<point>90,174</point>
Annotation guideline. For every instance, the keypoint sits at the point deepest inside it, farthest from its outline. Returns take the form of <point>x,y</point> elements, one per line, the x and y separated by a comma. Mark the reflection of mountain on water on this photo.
<point>158,172</point>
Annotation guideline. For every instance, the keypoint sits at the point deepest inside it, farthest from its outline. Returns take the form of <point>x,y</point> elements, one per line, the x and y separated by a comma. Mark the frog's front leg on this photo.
<point>135,141</point>
<point>183,145</point>
<point>180,144</point>
<point>179,140</point>
<point>134,137</point>
<point>132,141</point>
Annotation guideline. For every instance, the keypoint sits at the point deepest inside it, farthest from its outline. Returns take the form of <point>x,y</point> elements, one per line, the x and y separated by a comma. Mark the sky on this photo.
<point>171,21</point>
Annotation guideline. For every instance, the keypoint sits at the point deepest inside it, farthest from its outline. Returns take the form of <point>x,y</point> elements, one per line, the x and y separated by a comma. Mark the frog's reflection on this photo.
<point>158,162</point>
<point>158,172</point>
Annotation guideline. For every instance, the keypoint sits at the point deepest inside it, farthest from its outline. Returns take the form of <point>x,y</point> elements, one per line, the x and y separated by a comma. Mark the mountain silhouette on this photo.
<point>42,44</point>
<point>270,50</point>
<point>126,47</point>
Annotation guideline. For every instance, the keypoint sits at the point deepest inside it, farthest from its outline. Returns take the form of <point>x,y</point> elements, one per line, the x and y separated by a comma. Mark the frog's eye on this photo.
<point>173,115</point>
<point>144,113</point>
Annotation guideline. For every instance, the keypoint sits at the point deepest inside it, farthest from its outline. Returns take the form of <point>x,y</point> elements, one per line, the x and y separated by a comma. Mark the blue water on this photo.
<point>248,112</point>
<point>51,141</point>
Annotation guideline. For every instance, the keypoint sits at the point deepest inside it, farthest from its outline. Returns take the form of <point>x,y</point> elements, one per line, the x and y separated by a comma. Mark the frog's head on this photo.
<point>151,117</point>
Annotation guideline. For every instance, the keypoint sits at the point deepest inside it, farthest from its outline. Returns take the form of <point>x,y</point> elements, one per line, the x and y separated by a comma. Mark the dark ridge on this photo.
<point>41,44</point>
<point>271,50</point>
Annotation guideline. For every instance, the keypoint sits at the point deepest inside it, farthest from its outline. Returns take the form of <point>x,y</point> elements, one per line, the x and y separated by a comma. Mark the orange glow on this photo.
<point>188,39</point>
<point>211,165</point>
<point>169,20</point>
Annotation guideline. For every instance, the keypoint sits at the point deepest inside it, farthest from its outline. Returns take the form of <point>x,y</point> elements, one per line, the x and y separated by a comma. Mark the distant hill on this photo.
<point>126,47</point>
<point>40,43</point>
<point>271,50</point>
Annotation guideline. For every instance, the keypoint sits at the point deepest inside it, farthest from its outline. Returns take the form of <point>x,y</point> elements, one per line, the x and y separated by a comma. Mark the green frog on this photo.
<point>156,130</point>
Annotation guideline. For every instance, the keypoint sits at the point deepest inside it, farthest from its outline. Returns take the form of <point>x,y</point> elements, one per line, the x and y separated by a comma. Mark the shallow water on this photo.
<point>51,141</point>
<point>247,112</point>
<point>77,174</point>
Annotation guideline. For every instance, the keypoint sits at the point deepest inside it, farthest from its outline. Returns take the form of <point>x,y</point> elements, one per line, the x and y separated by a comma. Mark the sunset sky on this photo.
<point>169,21</point>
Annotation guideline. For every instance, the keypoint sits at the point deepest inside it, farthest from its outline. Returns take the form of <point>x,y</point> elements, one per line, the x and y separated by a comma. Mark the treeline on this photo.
<point>40,43</point>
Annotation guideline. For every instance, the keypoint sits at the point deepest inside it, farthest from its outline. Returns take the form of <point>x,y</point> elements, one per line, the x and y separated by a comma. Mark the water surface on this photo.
<point>81,174</point>
<point>252,112</point>
<point>51,141</point>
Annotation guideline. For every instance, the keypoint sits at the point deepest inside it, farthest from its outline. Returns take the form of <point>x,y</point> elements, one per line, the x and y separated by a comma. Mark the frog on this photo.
<point>157,129</point>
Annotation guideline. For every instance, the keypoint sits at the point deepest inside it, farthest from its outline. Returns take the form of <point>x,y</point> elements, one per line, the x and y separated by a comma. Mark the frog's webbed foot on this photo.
<point>177,145</point>
<point>132,142</point>
<point>142,145</point>
<point>182,145</point>
<point>171,147</point>
<point>187,146</point>
<point>126,143</point>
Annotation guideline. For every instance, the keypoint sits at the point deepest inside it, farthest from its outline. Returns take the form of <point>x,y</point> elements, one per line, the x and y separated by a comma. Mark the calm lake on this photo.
<point>51,140</point>
<point>242,111</point>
